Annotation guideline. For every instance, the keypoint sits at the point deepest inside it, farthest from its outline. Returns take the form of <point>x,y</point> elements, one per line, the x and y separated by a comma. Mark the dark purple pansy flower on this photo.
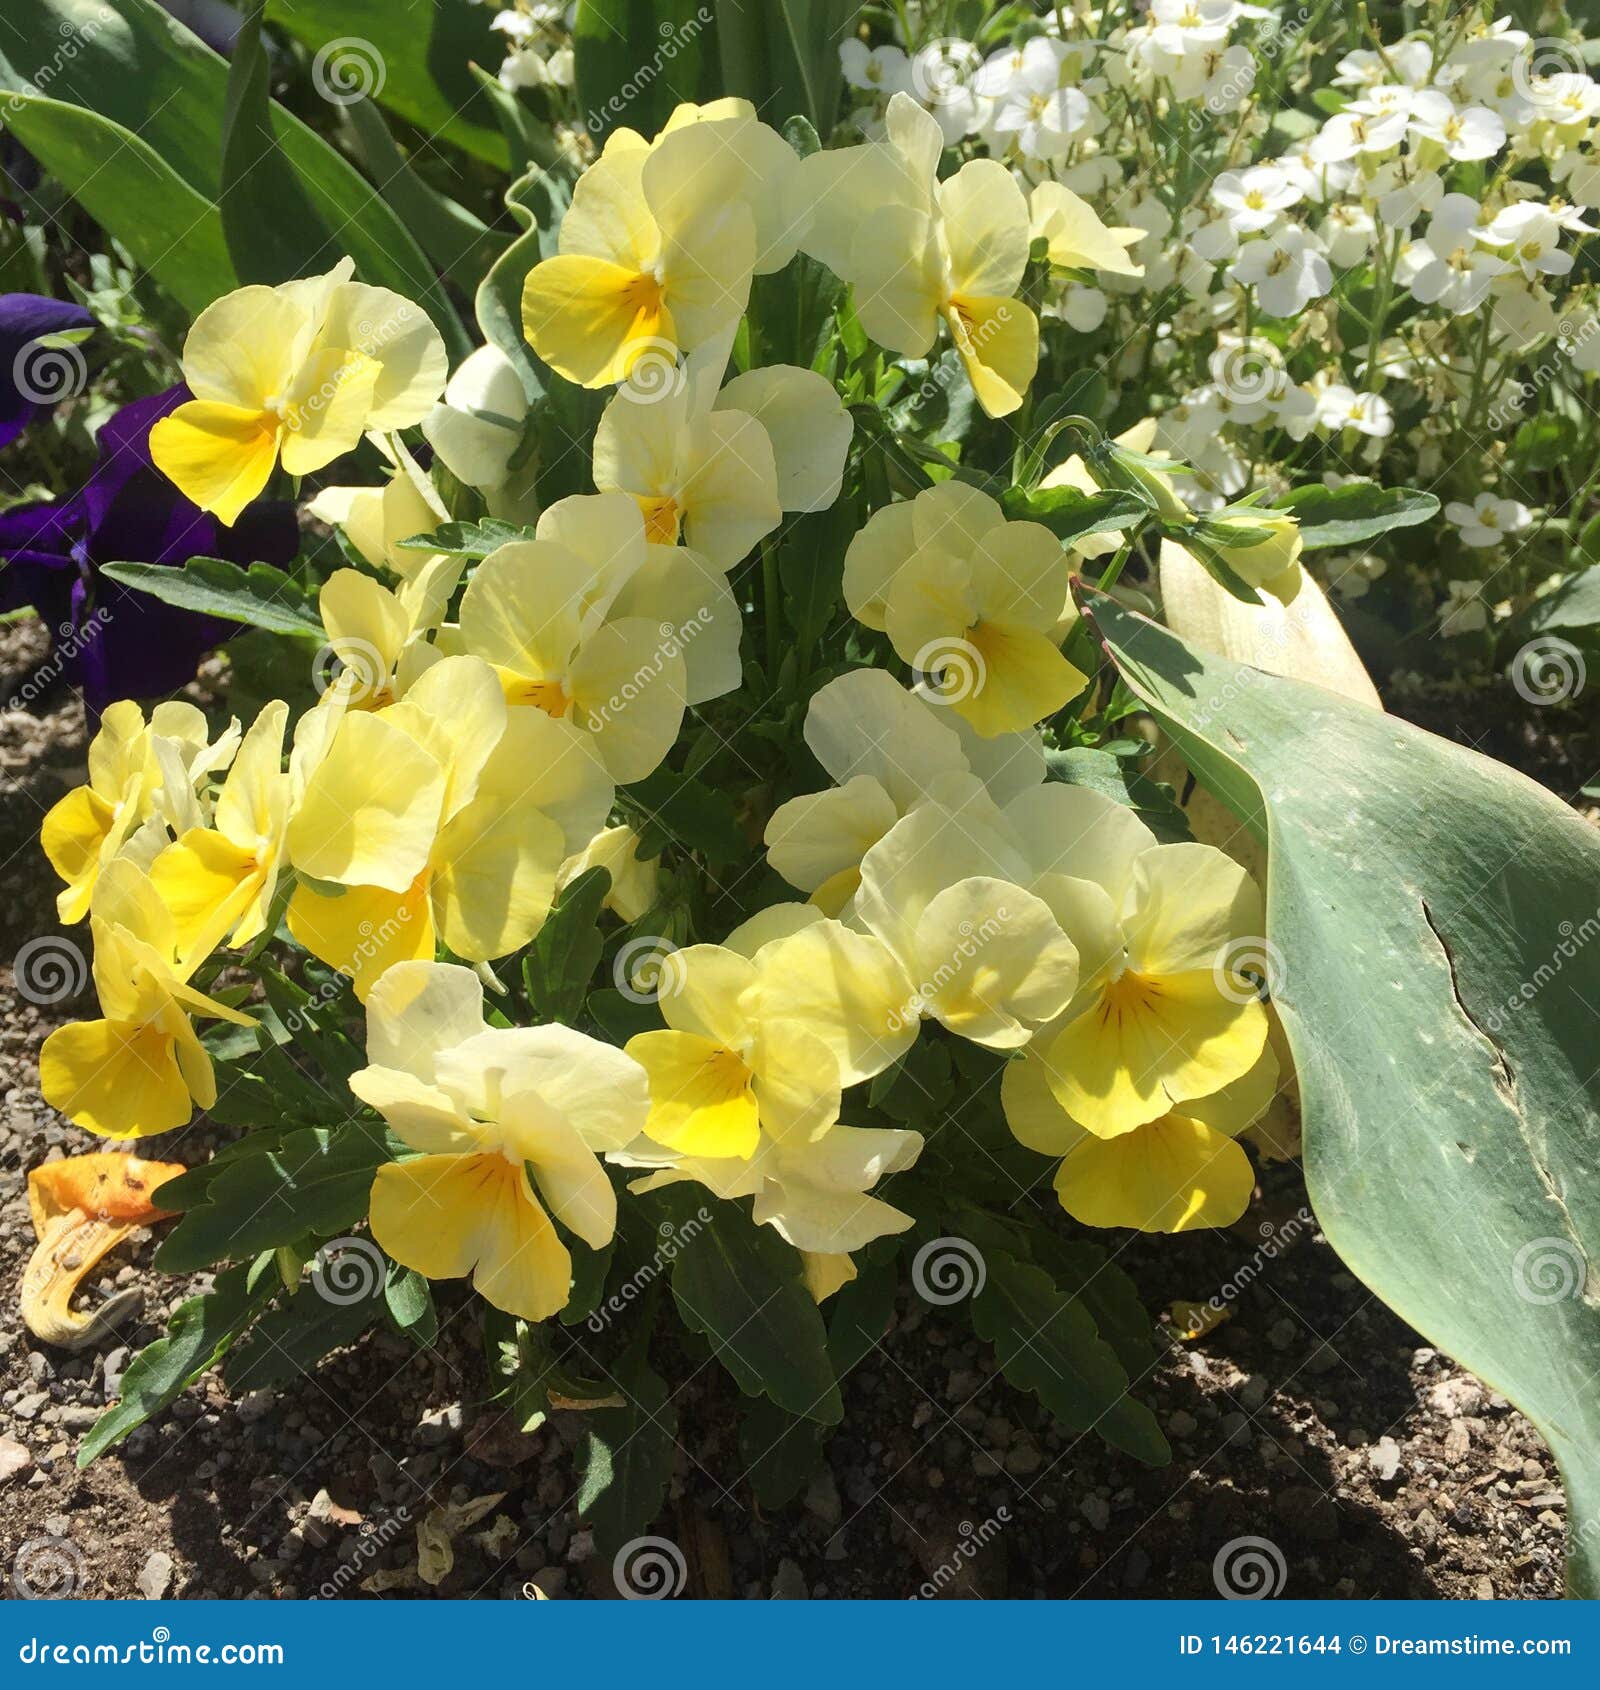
<point>115,642</point>
<point>32,376</point>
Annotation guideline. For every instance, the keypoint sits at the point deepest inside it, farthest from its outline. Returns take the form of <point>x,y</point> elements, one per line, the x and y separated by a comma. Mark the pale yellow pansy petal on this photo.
<point>427,1118</point>
<point>495,878</point>
<point>118,1079</point>
<point>873,559</point>
<point>252,802</point>
<point>704,990</point>
<point>551,767</point>
<point>809,428</point>
<point>1086,914</point>
<point>954,517</point>
<point>694,610</point>
<point>429,1213</point>
<point>456,710</point>
<point>991,962</point>
<point>1072,830</point>
<point>1242,1102</point>
<point>609,217</point>
<point>1190,904</point>
<point>846,988</point>
<point>419,1009</point>
<point>365,624</point>
<point>820,835</point>
<point>364,930</point>
<point>1022,679</point>
<point>729,493</point>
<point>866,723</point>
<point>627,684</point>
<point>725,155</point>
<point>701,1101</point>
<point>1078,239</point>
<point>706,265</point>
<point>400,338</point>
<point>598,1090</point>
<point>605,530</point>
<point>1031,1108</point>
<point>220,457</point>
<point>328,408</point>
<point>841,189</point>
<point>1019,574</point>
<point>523,609</point>
<point>1006,764</point>
<point>823,1221</point>
<point>243,349</point>
<point>796,1086</point>
<point>370,811</point>
<point>206,881</point>
<point>634,880</point>
<point>985,228</point>
<point>776,921</point>
<point>898,272</point>
<point>997,339</point>
<point>523,1268</point>
<point>639,443</point>
<point>1171,1176</point>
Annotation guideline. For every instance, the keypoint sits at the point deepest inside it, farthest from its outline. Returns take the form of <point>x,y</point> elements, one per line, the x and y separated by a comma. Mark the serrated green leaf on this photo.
<point>468,539</point>
<point>200,1334</point>
<point>1070,514</point>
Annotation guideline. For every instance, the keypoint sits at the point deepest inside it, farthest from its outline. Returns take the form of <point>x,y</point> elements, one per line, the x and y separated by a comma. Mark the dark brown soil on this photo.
<point>1313,1419</point>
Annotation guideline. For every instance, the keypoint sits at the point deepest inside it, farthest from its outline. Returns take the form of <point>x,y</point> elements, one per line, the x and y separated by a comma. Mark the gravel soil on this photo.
<point>1312,1419</point>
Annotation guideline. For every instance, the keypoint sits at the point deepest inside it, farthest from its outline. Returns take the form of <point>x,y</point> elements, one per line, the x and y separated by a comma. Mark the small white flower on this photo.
<point>1448,266</point>
<point>1343,407</point>
<point>880,70</point>
<point>1463,612</point>
<point>1360,130</point>
<point>1472,132</point>
<point>1254,198</point>
<point>1532,233</point>
<point>1286,268</point>
<point>1487,520</point>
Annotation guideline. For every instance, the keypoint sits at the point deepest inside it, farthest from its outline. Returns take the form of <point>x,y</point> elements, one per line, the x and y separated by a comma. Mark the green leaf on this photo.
<point>1357,512</point>
<point>811,570</point>
<point>740,1285</point>
<point>685,810</point>
<point>1047,1342</point>
<point>170,230</point>
<point>784,55</point>
<point>314,1183</point>
<point>409,1299</point>
<point>565,952</point>
<point>1432,913</point>
<point>637,59</point>
<point>426,76</point>
<point>1069,514</point>
<point>1154,804</point>
<point>326,1313</point>
<point>200,1334</point>
<point>1573,606</point>
<point>144,71</point>
<point>628,1454</point>
<point>539,200</point>
<point>258,596</point>
<point>468,539</point>
<point>274,233</point>
<point>461,244</point>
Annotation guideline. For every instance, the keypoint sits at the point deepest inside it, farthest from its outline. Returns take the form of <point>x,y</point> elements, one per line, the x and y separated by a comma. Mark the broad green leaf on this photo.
<point>1069,514</point>
<point>565,952</point>
<point>274,233</point>
<point>169,229</point>
<point>461,244</point>
<point>425,59</point>
<point>324,1314</point>
<point>697,817</point>
<point>784,55</point>
<point>1355,513</point>
<point>257,595</point>
<point>314,1183</point>
<point>1431,915</point>
<point>1046,1341</point>
<point>1573,607</point>
<point>140,68</point>
<point>740,1285</point>
<point>637,59</point>
<point>200,1334</point>
<point>1154,804</point>
<point>409,1299</point>
<point>628,1454</point>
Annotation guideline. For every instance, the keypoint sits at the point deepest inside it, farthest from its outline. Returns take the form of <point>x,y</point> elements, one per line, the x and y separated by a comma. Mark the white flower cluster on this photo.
<point>1318,262</point>
<point>538,43</point>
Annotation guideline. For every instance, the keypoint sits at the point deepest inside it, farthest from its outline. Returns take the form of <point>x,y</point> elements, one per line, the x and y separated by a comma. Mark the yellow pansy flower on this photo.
<point>654,258</point>
<point>141,1069</point>
<point>1078,240</point>
<point>298,372</point>
<point>510,1124</point>
<point>445,816</point>
<point>143,779</point>
<point>970,599</point>
<point>634,880</point>
<point>376,519</point>
<point>917,250</point>
<point>1180,1171</point>
<point>764,1033</point>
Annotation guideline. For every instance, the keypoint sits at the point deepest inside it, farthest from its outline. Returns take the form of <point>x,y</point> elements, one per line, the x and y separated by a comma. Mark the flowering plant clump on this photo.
<point>675,789</point>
